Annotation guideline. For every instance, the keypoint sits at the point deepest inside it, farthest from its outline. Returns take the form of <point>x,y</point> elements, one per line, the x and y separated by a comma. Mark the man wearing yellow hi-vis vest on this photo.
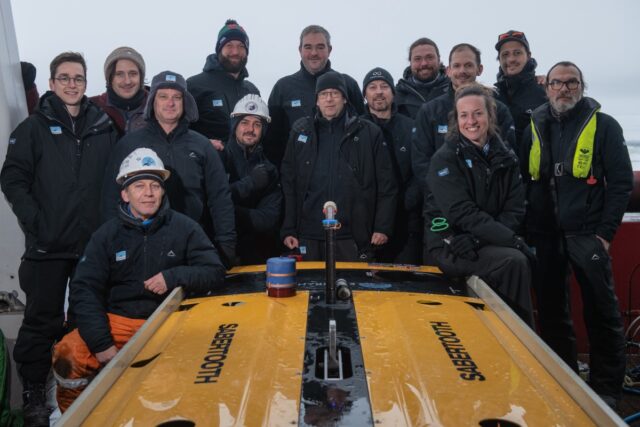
<point>578,178</point>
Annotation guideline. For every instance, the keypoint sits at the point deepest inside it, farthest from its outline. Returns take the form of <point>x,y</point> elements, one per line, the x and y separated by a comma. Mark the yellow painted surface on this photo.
<point>414,380</point>
<point>258,385</point>
<point>317,265</point>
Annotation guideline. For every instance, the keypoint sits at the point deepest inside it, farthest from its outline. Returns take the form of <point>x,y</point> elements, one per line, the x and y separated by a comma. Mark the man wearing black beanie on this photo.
<point>335,156</point>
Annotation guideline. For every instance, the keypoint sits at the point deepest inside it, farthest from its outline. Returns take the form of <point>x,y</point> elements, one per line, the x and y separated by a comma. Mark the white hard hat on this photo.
<point>141,161</point>
<point>251,105</point>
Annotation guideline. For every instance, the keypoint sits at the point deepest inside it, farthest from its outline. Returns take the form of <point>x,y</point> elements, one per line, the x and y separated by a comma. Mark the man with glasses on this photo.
<point>198,186</point>
<point>579,177</point>
<point>337,157</point>
<point>517,85</point>
<point>52,177</point>
<point>126,94</point>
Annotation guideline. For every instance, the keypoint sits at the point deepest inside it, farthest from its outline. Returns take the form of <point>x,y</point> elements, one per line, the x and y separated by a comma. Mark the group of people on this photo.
<point>131,193</point>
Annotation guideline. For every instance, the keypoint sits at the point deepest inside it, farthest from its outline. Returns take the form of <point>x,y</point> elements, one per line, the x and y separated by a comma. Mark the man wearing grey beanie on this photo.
<point>126,95</point>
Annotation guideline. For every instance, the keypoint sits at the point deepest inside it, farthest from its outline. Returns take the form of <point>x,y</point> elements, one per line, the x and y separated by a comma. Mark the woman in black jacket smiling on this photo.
<point>476,203</point>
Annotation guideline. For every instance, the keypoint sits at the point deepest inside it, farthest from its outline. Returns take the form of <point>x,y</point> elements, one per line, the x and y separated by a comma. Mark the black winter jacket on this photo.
<point>52,177</point>
<point>580,207</point>
<point>410,96</point>
<point>198,186</point>
<point>432,125</point>
<point>257,211</point>
<point>371,207</point>
<point>123,253</point>
<point>522,94</point>
<point>397,133</point>
<point>476,193</point>
<point>216,93</point>
<point>294,97</point>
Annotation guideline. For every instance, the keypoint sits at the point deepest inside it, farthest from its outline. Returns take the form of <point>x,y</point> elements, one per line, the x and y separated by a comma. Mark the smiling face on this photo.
<point>233,56</point>
<point>71,92</point>
<point>473,119</point>
<point>249,131</point>
<point>144,197</point>
<point>168,106</point>
<point>379,96</point>
<point>463,68</point>
<point>314,52</point>
<point>126,79</point>
<point>513,57</point>
<point>425,62</point>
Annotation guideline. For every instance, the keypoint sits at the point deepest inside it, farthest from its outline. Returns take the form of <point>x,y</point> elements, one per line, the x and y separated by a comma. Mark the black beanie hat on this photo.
<point>231,31</point>
<point>378,74</point>
<point>331,80</point>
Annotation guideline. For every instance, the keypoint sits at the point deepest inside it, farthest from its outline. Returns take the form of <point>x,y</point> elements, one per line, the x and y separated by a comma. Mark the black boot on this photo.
<point>35,410</point>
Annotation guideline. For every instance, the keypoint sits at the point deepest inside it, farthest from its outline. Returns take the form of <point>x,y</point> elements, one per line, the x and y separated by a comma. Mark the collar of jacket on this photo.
<point>130,221</point>
<point>525,76</point>
<point>213,65</point>
<point>582,111</point>
<point>180,129</point>
<point>383,123</point>
<point>315,76</point>
<point>137,101</point>
<point>499,154</point>
<point>96,119</point>
<point>234,147</point>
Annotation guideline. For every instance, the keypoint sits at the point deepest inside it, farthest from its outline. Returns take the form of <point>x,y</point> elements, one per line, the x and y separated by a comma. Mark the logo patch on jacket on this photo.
<point>443,128</point>
<point>296,103</point>
<point>303,138</point>
<point>171,254</point>
<point>443,172</point>
<point>55,130</point>
<point>469,163</point>
<point>12,141</point>
<point>413,129</point>
<point>121,256</point>
<point>217,102</point>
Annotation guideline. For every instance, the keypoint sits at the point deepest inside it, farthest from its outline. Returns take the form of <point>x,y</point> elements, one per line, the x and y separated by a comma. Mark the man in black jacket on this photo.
<point>517,85</point>
<point>405,246</point>
<point>341,158</point>
<point>579,178</point>
<point>222,83</point>
<point>423,80</point>
<point>52,177</point>
<point>198,186</point>
<point>254,183</point>
<point>294,96</point>
<point>130,265</point>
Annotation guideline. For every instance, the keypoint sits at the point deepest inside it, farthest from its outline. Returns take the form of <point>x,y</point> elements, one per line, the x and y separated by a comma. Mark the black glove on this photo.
<point>463,245</point>
<point>519,244</point>
<point>263,175</point>
<point>227,254</point>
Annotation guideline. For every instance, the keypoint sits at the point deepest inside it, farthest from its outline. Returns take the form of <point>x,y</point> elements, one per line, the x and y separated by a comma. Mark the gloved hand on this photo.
<point>463,245</point>
<point>227,254</point>
<point>262,175</point>
<point>519,244</point>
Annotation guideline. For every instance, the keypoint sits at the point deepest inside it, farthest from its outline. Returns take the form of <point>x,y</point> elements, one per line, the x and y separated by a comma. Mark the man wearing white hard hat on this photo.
<point>130,264</point>
<point>253,180</point>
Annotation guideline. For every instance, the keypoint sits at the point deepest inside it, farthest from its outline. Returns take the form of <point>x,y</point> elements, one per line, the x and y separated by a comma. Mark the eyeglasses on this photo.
<point>512,34</point>
<point>329,94</point>
<point>65,80</point>
<point>571,84</point>
<point>165,97</point>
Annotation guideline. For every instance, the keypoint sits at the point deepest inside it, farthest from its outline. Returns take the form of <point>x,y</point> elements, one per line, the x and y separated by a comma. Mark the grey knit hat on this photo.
<point>123,52</point>
<point>172,80</point>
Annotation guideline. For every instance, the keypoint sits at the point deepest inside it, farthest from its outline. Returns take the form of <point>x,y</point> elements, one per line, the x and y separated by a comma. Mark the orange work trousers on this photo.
<point>75,366</point>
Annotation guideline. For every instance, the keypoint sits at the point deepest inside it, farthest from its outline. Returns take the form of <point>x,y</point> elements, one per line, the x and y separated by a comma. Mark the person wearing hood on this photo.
<point>294,96</point>
<point>576,166</point>
<point>198,186</point>
<point>130,265</point>
<point>423,80</point>
<point>337,157</point>
<point>31,94</point>
<point>222,83</point>
<point>51,177</point>
<point>404,247</point>
<point>126,95</point>
<point>517,84</point>
<point>253,180</point>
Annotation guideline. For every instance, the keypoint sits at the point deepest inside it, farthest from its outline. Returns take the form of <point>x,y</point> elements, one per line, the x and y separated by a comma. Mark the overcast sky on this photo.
<point>601,37</point>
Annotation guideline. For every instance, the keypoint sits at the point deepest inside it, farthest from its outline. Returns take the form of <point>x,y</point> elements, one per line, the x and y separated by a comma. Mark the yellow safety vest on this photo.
<point>582,151</point>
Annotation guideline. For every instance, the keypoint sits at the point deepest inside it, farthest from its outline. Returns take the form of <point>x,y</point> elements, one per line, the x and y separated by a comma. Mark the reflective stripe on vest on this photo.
<point>582,155</point>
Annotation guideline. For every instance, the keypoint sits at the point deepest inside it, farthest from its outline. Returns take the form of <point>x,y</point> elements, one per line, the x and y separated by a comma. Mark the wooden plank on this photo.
<point>91,396</point>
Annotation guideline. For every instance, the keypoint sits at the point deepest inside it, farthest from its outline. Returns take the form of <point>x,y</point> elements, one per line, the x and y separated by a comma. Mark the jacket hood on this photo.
<point>212,64</point>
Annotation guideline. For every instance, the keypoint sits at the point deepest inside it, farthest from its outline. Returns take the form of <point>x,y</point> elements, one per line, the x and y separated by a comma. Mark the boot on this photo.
<point>35,410</point>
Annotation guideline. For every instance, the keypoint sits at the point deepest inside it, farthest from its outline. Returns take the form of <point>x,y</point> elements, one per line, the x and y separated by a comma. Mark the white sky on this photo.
<point>601,37</point>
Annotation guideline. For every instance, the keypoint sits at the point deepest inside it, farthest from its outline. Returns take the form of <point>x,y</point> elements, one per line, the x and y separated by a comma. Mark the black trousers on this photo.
<point>592,267</point>
<point>506,270</point>
<point>44,282</point>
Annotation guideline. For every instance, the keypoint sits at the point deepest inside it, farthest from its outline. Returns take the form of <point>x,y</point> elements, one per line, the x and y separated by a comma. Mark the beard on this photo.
<point>231,67</point>
<point>566,105</point>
